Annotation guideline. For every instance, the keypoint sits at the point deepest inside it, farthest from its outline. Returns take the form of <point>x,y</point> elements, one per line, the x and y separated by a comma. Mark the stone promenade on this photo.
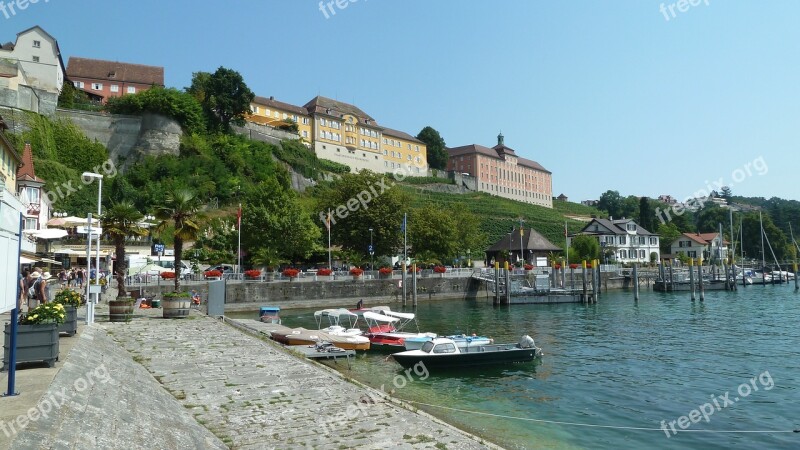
<point>201,383</point>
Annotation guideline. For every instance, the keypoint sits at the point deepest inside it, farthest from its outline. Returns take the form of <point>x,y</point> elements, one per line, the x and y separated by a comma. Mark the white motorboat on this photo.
<point>341,322</point>
<point>385,330</point>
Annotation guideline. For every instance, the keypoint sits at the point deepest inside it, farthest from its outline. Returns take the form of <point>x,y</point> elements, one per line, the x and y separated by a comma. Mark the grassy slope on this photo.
<point>497,215</point>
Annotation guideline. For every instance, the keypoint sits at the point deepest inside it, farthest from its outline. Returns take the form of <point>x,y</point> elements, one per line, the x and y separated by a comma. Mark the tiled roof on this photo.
<point>492,153</point>
<point>275,104</point>
<point>704,238</point>
<point>401,135</point>
<point>531,240</point>
<point>615,226</point>
<point>324,105</point>
<point>114,71</point>
<point>26,171</point>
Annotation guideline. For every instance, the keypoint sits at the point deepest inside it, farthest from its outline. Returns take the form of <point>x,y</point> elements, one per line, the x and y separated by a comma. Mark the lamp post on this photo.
<point>371,252</point>
<point>90,304</point>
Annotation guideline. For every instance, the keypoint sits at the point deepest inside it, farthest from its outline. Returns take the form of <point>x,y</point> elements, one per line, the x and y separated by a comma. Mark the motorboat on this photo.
<point>341,322</point>
<point>462,341</point>
<point>303,336</point>
<point>386,330</point>
<point>443,353</point>
<point>269,314</point>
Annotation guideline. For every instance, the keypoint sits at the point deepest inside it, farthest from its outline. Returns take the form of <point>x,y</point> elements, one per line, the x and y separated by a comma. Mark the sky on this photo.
<point>640,96</point>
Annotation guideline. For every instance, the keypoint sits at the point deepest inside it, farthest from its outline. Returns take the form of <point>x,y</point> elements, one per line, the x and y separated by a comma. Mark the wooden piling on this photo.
<point>496,284</point>
<point>414,284</point>
<point>691,276</point>
<point>594,284</point>
<point>635,283</point>
<point>796,286</point>
<point>700,278</point>
<point>671,279</point>
<point>507,297</point>
<point>585,290</point>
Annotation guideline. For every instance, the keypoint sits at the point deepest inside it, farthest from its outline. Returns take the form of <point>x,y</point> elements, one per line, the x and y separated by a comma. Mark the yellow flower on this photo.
<point>59,306</point>
<point>34,316</point>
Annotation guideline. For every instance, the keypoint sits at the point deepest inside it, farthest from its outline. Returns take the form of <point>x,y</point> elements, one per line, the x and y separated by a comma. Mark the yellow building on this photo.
<point>10,161</point>
<point>403,150</point>
<point>268,111</point>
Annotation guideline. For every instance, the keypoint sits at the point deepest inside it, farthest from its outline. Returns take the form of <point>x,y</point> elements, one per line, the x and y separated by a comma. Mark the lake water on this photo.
<point>618,364</point>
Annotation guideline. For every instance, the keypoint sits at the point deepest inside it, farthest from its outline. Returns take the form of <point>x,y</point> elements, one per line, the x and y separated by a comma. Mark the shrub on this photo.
<point>166,101</point>
<point>253,273</point>
<point>213,273</point>
<point>355,271</point>
<point>324,272</point>
<point>68,297</point>
<point>291,273</point>
<point>45,313</point>
<point>385,270</point>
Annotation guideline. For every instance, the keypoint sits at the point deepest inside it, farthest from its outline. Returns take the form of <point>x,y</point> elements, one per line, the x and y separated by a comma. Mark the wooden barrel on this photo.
<point>176,308</point>
<point>120,310</point>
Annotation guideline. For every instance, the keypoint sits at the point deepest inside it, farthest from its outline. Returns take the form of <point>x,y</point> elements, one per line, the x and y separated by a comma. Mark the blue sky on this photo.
<point>605,94</point>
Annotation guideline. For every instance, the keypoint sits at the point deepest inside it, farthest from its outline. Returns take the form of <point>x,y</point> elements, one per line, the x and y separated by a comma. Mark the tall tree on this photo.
<point>119,222</point>
<point>610,202</point>
<point>437,152</point>
<point>432,231</point>
<point>584,247</point>
<point>646,214</point>
<point>181,210</point>
<point>224,95</point>
<point>726,193</point>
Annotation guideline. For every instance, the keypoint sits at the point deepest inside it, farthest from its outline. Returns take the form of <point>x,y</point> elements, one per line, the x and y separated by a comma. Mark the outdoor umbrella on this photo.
<point>149,269</point>
<point>56,222</point>
<point>47,233</point>
<point>73,221</point>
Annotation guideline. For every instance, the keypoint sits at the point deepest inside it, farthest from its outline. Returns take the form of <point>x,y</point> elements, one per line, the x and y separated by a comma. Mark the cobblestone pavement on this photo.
<point>252,394</point>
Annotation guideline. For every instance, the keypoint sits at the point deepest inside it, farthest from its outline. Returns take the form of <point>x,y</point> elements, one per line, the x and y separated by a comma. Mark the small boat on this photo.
<point>462,341</point>
<point>302,336</point>
<point>385,330</point>
<point>336,318</point>
<point>269,314</point>
<point>443,353</point>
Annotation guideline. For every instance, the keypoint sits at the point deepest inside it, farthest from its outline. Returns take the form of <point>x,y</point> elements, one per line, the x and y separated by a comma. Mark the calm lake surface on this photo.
<point>617,364</point>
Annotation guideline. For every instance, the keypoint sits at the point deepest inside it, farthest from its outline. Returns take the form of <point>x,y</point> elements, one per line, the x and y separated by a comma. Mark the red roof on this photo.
<point>114,71</point>
<point>703,238</point>
<point>26,170</point>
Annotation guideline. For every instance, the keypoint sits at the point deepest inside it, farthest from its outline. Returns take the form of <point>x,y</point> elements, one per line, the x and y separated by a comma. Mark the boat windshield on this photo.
<point>426,347</point>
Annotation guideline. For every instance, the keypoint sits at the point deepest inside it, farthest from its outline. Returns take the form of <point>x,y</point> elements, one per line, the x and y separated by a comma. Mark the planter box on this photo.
<point>120,310</point>
<point>34,343</point>
<point>176,307</point>
<point>70,325</point>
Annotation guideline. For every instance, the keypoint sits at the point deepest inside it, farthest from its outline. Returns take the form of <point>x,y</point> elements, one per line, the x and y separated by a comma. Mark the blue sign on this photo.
<point>159,248</point>
<point>370,249</point>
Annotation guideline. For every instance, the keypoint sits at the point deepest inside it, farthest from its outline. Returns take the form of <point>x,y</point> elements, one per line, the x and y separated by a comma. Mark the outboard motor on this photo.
<point>526,342</point>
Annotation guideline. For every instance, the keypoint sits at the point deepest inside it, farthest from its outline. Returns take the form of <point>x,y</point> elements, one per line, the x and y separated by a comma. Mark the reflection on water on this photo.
<point>617,363</point>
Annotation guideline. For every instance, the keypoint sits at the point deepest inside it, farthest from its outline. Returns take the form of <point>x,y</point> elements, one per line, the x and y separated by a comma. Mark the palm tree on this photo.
<point>120,222</point>
<point>181,209</point>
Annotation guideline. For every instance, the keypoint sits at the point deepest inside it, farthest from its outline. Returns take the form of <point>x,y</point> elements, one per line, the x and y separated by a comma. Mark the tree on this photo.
<point>181,209</point>
<point>610,202</point>
<point>432,231</point>
<point>584,248</point>
<point>667,233</point>
<point>224,96</point>
<point>437,152</point>
<point>646,214</point>
<point>726,193</point>
<point>120,222</point>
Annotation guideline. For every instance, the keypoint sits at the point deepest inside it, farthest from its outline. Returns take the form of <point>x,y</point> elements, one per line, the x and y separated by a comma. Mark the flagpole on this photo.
<point>566,240</point>
<point>405,254</point>
<point>239,259</point>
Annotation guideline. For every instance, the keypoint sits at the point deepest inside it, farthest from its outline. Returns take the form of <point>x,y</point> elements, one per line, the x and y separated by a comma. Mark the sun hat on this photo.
<point>35,274</point>
<point>47,275</point>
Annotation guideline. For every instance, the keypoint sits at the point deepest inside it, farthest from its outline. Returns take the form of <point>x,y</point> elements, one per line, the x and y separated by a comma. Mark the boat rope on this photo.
<point>556,422</point>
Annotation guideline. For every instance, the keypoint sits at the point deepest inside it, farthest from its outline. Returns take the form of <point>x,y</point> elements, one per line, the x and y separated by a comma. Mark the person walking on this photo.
<point>34,289</point>
<point>23,288</point>
<point>44,289</point>
<point>79,278</point>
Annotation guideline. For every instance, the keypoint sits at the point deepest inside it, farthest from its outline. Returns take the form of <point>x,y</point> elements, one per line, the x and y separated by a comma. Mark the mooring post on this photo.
<point>691,276</point>
<point>796,286</point>
<point>414,284</point>
<point>671,279</point>
<point>507,294</point>
<point>662,273</point>
<point>700,278</point>
<point>725,271</point>
<point>732,278</point>
<point>635,283</point>
<point>496,283</point>
<point>585,290</point>
<point>594,284</point>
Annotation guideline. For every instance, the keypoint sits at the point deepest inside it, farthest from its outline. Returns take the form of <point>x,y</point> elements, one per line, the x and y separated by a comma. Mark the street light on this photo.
<point>371,252</point>
<point>89,304</point>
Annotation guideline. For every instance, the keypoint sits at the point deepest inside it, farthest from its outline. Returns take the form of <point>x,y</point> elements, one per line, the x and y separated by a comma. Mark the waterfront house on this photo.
<point>106,79</point>
<point>708,246</point>
<point>31,72</point>
<point>623,240</point>
<point>500,171</point>
<point>530,247</point>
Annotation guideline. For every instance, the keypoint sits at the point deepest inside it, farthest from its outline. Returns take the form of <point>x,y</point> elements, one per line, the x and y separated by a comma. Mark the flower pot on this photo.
<point>120,309</point>
<point>70,325</point>
<point>37,342</point>
<point>176,307</point>
<point>357,277</point>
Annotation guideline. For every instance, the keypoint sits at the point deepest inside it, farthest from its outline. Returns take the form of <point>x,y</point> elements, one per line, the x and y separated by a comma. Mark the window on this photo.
<point>114,88</point>
<point>97,86</point>
<point>642,254</point>
<point>445,348</point>
<point>31,223</point>
<point>37,44</point>
<point>305,120</point>
<point>132,90</point>
<point>692,254</point>
<point>630,226</point>
<point>33,195</point>
<point>35,59</point>
<point>641,240</point>
<point>305,134</point>
<point>78,84</point>
<point>623,254</point>
<point>622,240</point>
<point>386,152</point>
<point>653,241</point>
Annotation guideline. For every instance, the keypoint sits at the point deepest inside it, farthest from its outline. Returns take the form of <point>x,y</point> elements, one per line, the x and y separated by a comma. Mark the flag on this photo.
<point>566,234</point>
<point>521,233</point>
<point>403,226</point>
<point>239,217</point>
<point>328,221</point>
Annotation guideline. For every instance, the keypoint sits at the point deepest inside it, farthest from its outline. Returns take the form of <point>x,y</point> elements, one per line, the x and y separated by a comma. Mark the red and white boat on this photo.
<point>386,330</point>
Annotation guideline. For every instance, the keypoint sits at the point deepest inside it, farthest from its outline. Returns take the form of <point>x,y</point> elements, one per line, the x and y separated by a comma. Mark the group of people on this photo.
<point>33,288</point>
<point>72,277</point>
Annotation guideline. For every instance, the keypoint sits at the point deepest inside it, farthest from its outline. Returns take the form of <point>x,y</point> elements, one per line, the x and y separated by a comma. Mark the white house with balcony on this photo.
<point>36,206</point>
<point>709,246</point>
<point>623,241</point>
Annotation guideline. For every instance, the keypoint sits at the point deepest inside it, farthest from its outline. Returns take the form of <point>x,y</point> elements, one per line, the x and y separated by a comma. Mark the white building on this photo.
<point>31,72</point>
<point>624,240</point>
<point>709,246</point>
